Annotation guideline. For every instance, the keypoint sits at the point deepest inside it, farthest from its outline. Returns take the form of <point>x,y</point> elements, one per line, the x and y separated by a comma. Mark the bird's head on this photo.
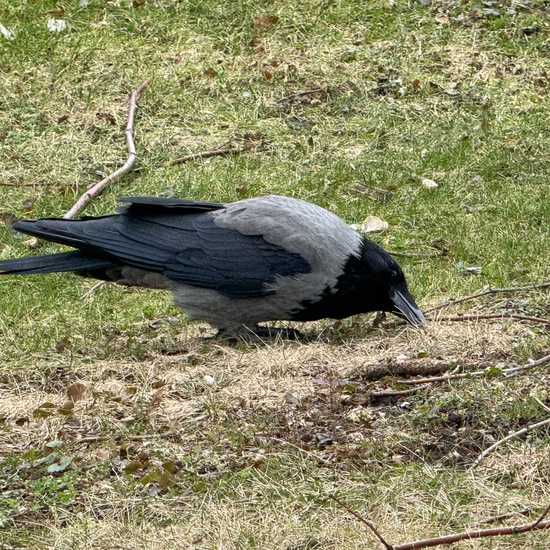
<point>388,285</point>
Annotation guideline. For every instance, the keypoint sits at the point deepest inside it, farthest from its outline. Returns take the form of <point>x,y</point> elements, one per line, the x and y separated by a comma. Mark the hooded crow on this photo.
<point>233,265</point>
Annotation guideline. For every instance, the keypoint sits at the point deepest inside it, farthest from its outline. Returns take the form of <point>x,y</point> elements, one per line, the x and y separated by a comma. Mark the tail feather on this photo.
<point>67,232</point>
<point>54,263</point>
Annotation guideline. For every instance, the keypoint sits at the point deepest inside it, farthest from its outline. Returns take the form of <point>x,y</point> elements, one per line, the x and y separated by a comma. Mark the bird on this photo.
<point>233,265</point>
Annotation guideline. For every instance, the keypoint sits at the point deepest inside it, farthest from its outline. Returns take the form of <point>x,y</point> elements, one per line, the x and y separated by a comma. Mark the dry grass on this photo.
<point>196,443</point>
<point>248,460</point>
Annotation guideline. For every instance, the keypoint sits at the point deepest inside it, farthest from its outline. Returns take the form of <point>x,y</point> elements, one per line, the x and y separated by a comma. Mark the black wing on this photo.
<point>149,205</point>
<point>180,240</point>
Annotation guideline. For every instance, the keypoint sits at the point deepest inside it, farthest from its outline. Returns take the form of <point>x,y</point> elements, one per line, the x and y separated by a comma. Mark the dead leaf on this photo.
<point>211,72</point>
<point>76,391</point>
<point>44,410</point>
<point>360,415</point>
<point>103,454</point>
<point>157,399</point>
<point>372,224</point>
<point>267,74</point>
<point>258,45</point>
<point>66,409</point>
<point>57,11</point>
<point>264,22</point>
<point>133,466</point>
<point>62,345</point>
<point>103,115</point>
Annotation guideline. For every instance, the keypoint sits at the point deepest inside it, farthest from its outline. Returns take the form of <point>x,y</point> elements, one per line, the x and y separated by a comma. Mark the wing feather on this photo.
<point>181,240</point>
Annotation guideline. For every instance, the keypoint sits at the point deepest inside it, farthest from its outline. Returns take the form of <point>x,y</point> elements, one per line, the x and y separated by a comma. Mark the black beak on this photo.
<point>407,307</point>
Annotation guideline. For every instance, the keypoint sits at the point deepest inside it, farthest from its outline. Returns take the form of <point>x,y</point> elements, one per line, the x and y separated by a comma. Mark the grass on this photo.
<point>446,92</point>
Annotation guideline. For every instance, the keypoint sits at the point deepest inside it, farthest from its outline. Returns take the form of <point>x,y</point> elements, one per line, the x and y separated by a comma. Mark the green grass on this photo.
<point>446,92</point>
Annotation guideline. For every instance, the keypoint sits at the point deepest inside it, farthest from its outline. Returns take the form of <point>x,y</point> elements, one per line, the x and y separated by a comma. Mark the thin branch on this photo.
<point>364,521</point>
<point>208,154</point>
<point>495,532</point>
<point>219,152</point>
<point>541,517</point>
<point>545,407</point>
<point>443,378</point>
<point>525,430</point>
<point>530,365</point>
<point>500,517</point>
<point>538,524</point>
<point>414,367</point>
<point>512,371</point>
<point>486,293</point>
<point>126,167</point>
<point>90,291</point>
<point>476,317</point>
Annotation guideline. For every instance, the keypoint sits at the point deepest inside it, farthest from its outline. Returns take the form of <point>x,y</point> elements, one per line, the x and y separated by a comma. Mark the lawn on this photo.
<point>124,426</point>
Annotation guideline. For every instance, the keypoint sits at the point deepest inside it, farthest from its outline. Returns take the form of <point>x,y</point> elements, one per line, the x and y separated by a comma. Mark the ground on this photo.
<point>123,426</point>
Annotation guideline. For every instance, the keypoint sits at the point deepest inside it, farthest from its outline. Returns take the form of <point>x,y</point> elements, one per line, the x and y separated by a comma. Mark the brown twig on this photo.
<point>443,378</point>
<point>208,154</point>
<point>538,524</point>
<point>486,293</point>
<point>414,367</point>
<point>126,167</point>
<point>495,532</point>
<point>525,430</point>
<point>476,317</point>
<point>500,517</point>
<point>457,376</point>
<point>301,94</point>
<point>364,521</point>
<point>541,517</point>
